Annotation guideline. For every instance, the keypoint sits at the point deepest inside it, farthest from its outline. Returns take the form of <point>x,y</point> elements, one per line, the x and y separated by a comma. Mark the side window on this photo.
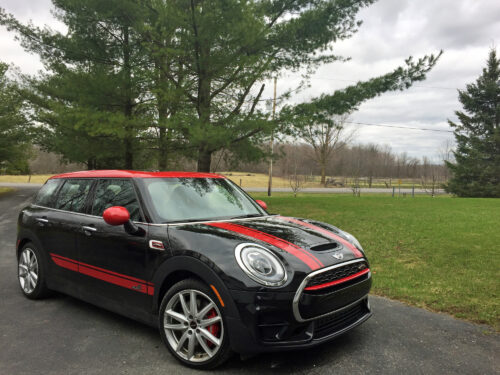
<point>45,196</point>
<point>115,192</point>
<point>73,194</point>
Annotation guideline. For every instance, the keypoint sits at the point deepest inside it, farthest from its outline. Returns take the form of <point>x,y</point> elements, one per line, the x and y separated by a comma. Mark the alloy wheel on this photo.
<point>28,270</point>
<point>193,325</point>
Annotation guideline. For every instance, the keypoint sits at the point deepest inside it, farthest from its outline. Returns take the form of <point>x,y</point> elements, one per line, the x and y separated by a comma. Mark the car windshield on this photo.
<point>197,199</point>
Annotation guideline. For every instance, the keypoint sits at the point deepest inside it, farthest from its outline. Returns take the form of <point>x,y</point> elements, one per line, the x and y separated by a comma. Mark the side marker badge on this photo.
<point>156,245</point>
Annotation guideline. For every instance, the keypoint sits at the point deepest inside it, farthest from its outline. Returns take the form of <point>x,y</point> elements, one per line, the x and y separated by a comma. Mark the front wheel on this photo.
<point>192,325</point>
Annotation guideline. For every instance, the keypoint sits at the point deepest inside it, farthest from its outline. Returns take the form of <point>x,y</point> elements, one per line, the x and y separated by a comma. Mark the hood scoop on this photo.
<point>325,246</point>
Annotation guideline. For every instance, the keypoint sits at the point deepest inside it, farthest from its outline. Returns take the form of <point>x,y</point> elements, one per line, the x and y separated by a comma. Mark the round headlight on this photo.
<point>352,240</point>
<point>260,264</point>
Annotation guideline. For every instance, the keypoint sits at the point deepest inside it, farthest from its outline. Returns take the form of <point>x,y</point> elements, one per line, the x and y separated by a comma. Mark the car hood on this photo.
<point>305,245</point>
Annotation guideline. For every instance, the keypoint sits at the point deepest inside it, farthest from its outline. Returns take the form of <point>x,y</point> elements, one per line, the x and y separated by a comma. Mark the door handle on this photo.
<point>42,220</point>
<point>87,229</point>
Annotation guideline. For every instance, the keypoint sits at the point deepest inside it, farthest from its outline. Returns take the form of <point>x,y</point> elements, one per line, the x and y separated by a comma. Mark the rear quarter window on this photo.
<point>46,195</point>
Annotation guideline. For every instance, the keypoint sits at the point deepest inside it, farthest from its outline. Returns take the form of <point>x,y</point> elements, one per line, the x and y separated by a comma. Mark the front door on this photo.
<point>112,262</point>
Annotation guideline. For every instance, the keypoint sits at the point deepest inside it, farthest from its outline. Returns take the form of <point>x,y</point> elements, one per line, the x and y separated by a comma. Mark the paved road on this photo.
<point>289,190</point>
<point>62,335</point>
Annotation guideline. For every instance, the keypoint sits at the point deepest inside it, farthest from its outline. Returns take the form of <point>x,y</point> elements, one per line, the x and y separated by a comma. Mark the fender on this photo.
<point>202,270</point>
<point>24,236</point>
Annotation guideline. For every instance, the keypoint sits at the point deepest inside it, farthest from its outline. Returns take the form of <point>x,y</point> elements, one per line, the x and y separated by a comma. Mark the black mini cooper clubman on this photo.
<point>194,255</point>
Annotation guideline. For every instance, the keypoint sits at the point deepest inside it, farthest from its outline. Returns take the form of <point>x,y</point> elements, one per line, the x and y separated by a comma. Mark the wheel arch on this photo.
<point>23,238</point>
<point>183,267</point>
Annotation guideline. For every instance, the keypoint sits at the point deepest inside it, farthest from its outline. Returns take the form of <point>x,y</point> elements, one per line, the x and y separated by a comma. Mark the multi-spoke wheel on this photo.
<point>192,325</point>
<point>30,272</point>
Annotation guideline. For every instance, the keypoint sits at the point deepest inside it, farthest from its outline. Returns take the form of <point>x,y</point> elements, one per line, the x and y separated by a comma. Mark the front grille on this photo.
<point>337,273</point>
<point>338,321</point>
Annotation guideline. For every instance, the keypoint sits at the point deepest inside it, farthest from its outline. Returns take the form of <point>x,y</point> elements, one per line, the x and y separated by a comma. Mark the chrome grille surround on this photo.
<point>296,298</point>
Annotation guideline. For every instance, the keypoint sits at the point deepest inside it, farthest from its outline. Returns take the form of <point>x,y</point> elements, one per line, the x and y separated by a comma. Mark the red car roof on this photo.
<point>114,173</point>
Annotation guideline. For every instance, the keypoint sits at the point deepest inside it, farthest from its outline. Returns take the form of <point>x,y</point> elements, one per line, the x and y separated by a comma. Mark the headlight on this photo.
<point>352,240</point>
<point>260,264</point>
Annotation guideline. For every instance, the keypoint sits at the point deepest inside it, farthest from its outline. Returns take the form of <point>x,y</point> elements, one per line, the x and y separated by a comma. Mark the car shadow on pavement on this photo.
<point>110,323</point>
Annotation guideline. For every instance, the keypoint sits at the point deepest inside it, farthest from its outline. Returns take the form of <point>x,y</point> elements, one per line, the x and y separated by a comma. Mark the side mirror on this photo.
<point>118,215</point>
<point>262,204</point>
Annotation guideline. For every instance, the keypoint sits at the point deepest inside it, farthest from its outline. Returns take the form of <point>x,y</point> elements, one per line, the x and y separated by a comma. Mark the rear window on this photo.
<point>73,195</point>
<point>45,196</point>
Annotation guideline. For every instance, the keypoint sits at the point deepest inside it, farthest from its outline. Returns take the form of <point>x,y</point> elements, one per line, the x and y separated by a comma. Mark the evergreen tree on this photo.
<point>189,74</point>
<point>89,102</point>
<point>476,171</point>
<point>15,135</point>
<point>218,55</point>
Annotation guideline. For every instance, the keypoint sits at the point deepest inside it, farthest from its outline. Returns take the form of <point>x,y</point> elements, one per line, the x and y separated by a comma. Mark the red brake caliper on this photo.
<point>214,328</point>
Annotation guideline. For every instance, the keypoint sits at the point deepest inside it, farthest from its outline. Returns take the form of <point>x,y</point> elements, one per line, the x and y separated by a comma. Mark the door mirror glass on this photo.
<point>116,215</point>
<point>262,204</point>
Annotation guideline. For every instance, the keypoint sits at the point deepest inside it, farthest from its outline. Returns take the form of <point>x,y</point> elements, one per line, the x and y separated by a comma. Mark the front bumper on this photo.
<point>268,321</point>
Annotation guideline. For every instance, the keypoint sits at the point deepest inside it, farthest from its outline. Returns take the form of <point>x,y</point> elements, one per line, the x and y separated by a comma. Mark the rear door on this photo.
<point>63,223</point>
<point>112,261</point>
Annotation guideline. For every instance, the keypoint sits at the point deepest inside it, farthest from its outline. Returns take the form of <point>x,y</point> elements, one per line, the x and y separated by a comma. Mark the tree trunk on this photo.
<point>204,160</point>
<point>323,175</point>
<point>162,148</point>
<point>129,155</point>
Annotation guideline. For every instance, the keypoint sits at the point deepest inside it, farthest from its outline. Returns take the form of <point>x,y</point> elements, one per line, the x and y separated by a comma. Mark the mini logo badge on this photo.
<point>338,255</point>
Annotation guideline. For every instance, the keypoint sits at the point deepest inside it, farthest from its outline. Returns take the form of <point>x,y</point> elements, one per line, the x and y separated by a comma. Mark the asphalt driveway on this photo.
<point>62,335</point>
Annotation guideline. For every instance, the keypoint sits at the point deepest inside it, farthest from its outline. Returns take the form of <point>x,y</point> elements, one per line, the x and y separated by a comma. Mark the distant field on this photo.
<point>438,253</point>
<point>35,179</point>
<point>252,180</point>
<point>261,180</point>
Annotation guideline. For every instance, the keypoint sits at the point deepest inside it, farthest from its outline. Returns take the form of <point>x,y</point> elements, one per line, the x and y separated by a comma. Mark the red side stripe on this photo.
<point>120,281</point>
<point>339,281</point>
<point>111,277</point>
<point>327,233</point>
<point>65,264</point>
<point>295,250</point>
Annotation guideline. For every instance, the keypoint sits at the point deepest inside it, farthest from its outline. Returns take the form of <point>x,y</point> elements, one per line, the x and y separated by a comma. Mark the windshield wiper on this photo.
<point>246,216</point>
<point>211,219</point>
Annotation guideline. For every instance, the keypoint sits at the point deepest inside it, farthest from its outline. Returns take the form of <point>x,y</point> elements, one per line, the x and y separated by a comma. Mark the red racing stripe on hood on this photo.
<point>328,233</point>
<point>306,257</point>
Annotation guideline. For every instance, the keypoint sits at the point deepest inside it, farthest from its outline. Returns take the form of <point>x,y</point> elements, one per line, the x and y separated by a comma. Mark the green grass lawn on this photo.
<point>438,253</point>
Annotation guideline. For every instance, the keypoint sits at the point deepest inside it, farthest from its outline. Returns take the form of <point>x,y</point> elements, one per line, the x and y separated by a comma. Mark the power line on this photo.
<point>400,127</point>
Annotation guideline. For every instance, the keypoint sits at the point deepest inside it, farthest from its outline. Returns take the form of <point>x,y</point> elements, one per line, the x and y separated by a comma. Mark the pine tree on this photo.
<point>89,102</point>
<point>15,132</point>
<point>190,74</point>
<point>476,171</point>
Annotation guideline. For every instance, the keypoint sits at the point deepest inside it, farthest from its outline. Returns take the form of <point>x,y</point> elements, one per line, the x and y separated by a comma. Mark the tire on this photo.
<point>190,338</point>
<point>31,272</point>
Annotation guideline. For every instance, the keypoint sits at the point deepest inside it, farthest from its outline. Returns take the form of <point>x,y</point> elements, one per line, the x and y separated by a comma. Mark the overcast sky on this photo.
<point>392,30</point>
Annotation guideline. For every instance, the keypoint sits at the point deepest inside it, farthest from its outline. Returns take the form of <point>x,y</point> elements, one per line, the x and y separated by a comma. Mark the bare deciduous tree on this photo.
<point>327,135</point>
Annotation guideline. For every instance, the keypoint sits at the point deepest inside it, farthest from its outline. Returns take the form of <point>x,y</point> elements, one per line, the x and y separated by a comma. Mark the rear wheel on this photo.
<point>31,273</point>
<point>192,325</point>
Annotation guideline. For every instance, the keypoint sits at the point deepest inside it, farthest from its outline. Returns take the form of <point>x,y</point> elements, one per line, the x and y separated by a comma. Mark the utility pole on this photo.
<point>271,145</point>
